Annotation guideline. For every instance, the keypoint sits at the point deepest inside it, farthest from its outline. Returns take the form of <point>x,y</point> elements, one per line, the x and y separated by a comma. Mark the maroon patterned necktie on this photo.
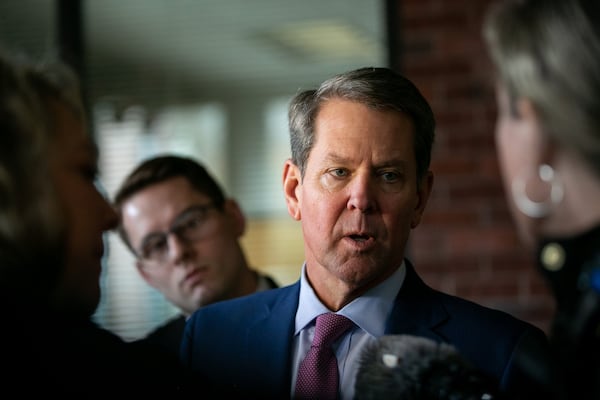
<point>318,372</point>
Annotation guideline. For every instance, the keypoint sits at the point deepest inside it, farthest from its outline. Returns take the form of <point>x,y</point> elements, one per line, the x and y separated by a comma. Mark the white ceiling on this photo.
<point>176,50</point>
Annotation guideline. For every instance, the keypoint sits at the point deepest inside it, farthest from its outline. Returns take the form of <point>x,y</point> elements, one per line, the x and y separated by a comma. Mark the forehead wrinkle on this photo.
<point>392,162</point>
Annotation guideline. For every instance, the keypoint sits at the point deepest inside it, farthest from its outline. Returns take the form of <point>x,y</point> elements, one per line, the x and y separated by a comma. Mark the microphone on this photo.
<point>406,367</point>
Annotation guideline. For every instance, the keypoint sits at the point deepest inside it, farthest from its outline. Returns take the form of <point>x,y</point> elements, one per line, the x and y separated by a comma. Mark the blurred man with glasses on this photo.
<point>185,234</point>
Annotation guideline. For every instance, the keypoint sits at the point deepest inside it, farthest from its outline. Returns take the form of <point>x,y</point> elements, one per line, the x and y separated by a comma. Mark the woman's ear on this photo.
<point>292,183</point>
<point>526,110</point>
<point>539,142</point>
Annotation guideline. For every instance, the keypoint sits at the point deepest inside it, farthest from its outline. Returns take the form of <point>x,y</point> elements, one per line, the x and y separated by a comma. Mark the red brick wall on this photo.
<point>467,244</point>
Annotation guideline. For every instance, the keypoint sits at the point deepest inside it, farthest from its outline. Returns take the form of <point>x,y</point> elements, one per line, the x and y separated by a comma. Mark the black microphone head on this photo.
<point>405,367</point>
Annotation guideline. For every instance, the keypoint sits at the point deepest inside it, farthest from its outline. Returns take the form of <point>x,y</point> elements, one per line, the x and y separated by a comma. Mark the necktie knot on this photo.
<point>329,327</point>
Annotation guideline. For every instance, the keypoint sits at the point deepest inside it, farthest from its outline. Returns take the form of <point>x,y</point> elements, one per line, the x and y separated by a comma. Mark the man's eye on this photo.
<point>390,177</point>
<point>154,247</point>
<point>339,172</point>
<point>192,222</point>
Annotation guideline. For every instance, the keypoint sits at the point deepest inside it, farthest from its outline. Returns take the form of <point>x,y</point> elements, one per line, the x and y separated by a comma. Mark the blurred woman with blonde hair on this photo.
<point>52,221</point>
<point>547,59</point>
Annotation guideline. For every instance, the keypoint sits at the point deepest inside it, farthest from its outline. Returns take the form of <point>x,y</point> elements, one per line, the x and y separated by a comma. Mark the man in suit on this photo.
<point>358,180</point>
<point>185,234</point>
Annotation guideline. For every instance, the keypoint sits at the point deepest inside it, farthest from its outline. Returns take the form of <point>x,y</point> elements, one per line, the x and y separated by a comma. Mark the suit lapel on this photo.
<point>270,341</point>
<point>416,310</point>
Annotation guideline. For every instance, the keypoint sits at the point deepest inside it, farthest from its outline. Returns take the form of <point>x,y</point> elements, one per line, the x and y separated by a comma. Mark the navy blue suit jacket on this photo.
<point>244,345</point>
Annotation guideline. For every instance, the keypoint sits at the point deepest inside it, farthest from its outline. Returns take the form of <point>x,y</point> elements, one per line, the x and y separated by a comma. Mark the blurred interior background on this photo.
<point>212,78</point>
<point>206,78</point>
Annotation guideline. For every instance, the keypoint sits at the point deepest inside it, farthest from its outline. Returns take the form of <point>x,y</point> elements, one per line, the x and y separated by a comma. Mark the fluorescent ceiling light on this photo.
<point>327,38</point>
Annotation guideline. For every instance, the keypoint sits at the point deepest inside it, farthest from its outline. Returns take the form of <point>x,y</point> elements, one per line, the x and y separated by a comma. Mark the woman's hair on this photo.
<point>548,51</point>
<point>31,223</point>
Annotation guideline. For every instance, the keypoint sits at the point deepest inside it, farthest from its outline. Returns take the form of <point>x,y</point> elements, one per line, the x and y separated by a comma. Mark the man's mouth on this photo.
<point>359,237</point>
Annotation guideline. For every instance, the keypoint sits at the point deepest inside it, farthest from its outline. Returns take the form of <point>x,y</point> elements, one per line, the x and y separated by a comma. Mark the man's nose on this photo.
<point>178,247</point>
<point>361,193</point>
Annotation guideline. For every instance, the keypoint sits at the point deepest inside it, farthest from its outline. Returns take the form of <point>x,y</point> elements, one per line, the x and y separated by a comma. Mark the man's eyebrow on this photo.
<point>394,162</point>
<point>332,157</point>
<point>187,211</point>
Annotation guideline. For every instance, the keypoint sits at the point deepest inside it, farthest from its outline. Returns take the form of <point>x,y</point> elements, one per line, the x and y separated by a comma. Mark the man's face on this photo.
<point>196,272</point>
<point>359,197</point>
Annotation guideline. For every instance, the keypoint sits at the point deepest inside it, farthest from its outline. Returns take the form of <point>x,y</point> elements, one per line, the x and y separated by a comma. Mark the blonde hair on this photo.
<point>548,51</point>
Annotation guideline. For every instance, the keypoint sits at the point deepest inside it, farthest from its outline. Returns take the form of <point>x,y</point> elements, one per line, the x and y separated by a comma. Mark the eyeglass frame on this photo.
<point>174,229</point>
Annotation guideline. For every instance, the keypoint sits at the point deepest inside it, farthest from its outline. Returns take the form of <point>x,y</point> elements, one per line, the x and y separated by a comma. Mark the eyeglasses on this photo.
<point>191,225</point>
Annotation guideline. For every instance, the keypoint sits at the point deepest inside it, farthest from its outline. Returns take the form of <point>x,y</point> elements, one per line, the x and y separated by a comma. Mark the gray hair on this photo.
<point>379,88</point>
<point>548,51</point>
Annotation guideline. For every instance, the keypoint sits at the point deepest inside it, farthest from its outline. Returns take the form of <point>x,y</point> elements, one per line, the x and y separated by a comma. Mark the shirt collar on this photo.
<point>369,311</point>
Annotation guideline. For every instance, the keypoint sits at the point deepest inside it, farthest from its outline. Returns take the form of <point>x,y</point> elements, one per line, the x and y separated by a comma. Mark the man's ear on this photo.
<point>235,214</point>
<point>423,193</point>
<point>292,183</point>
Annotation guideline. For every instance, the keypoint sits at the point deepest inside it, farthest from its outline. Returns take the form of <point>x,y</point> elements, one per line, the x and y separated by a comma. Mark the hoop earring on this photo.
<point>538,209</point>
